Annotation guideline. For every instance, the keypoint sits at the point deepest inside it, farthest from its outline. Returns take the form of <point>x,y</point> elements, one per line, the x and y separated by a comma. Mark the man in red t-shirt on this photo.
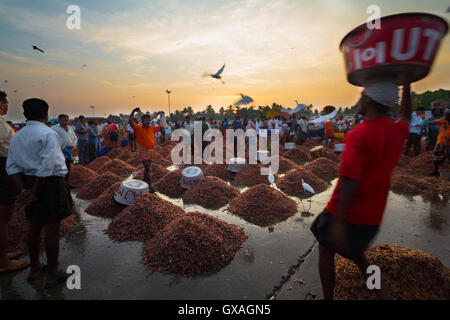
<point>113,131</point>
<point>355,211</point>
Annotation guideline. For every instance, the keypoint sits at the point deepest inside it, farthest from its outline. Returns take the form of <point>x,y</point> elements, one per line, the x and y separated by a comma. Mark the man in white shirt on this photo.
<point>35,161</point>
<point>67,139</point>
<point>188,125</point>
<point>414,137</point>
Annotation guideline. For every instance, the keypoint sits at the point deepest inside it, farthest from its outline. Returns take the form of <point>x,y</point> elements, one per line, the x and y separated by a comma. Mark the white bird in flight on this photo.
<point>244,100</point>
<point>307,187</point>
<point>216,75</point>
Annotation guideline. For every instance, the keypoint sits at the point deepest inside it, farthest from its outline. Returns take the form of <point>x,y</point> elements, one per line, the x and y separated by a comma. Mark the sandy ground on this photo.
<point>265,267</point>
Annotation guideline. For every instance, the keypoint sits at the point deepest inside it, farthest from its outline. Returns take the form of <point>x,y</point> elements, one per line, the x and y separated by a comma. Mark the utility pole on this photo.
<point>93,113</point>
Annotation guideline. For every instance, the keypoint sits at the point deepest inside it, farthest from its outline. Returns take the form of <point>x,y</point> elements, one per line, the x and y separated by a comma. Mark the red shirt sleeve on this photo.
<point>354,156</point>
<point>157,128</point>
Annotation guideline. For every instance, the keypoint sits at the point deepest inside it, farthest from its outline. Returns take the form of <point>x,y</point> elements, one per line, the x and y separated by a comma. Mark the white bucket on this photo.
<point>289,145</point>
<point>190,176</point>
<point>236,164</point>
<point>339,147</point>
<point>130,190</point>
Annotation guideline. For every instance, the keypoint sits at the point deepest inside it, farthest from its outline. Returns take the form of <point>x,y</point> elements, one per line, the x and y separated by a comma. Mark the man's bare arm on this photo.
<point>405,111</point>
<point>131,118</point>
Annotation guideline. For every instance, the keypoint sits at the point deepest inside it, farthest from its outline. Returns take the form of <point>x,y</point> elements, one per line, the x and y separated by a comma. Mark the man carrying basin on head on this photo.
<point>145,140</point>
<point>354,213</point>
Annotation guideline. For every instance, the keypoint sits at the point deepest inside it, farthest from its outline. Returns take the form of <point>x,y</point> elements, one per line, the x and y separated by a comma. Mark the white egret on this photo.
<point>307,187</point>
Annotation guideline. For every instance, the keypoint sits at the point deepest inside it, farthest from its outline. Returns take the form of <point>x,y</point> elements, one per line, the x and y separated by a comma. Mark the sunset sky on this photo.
<point>274,51</point>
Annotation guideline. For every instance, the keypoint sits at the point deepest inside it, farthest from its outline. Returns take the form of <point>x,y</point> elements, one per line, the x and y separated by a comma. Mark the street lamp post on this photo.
<point>168,96</point>
<point>93,113</point>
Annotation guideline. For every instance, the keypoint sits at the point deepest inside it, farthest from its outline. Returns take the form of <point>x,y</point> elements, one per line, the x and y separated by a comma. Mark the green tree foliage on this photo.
<point>425,99</point>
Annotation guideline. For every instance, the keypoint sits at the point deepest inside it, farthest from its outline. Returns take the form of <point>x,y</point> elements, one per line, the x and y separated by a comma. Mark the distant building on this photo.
<point>440,103</point>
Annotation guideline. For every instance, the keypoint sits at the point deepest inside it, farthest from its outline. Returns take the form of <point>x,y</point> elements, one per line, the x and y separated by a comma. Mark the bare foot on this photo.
<point>14,265</point>
<point>14,254</point>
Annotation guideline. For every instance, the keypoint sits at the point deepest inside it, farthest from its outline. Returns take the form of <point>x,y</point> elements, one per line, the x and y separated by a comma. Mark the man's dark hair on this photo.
<point>420,109</point>
<point>63,116</point>
<point>3,96</point>
<point>145,116</point>
<point>91,122</point>
<point>81,117</point>
<point>35,109</point>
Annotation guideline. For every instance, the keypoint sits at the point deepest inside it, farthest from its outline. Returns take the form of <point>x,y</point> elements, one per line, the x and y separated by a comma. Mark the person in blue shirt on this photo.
<point>225,124</point>
<point>93,140</point>
<point>237,124</point>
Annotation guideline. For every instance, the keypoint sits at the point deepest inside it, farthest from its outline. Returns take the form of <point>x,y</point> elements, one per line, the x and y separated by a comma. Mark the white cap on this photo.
<point>383,92</point>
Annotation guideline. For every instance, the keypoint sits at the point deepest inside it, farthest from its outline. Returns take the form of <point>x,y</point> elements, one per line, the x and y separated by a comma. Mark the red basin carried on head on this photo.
<point>403,50</point>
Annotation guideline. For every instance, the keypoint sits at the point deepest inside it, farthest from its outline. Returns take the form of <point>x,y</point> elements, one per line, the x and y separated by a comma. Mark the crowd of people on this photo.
<point>35,162</point>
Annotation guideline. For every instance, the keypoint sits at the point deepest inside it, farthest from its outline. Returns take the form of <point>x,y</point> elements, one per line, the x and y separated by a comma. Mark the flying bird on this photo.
<point>36,48</point>
<point>244,100</point>
<point>217,75</point>
<point>307,187</point>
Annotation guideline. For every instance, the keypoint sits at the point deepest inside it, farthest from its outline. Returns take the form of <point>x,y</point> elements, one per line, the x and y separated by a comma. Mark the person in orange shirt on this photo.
<point>329,132</point>
<point>145,138</point>
<point>442,148</point>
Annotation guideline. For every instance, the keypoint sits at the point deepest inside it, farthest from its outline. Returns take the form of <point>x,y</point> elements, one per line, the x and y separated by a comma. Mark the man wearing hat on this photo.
<point>354,213</point>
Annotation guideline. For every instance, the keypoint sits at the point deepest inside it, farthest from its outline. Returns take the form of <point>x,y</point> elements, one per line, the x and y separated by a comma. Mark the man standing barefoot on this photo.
<point>36,162</point>
<point>145,138</point>
<point>355,211</point>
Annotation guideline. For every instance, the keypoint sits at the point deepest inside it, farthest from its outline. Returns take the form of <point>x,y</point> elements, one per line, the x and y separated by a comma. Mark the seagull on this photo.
<point>299,107</point>
<point>217,75</point>
<point>244,100</point>
<point>307,187</point>
<point>36,48</point>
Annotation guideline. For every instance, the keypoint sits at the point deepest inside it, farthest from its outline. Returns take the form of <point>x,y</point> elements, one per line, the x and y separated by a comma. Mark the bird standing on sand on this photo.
<point>307,187</point>
<point>216,75</point>
<point>36,48</point>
